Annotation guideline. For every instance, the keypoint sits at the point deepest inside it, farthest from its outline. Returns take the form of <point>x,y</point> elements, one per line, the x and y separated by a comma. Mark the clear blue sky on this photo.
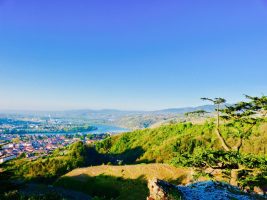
<point>141,54</point>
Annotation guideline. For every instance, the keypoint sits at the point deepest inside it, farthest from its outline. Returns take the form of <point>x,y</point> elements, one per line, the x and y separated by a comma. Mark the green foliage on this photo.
<point>220,159</point>
<point>196,113</point>
<point>104,145</point>
<point>167,142</point>
<point>215,101</point>
<point>240,118</point>
<point>254,161</point>
<point>207,158</point>
<point>23,155</point>
<point>251,180</point>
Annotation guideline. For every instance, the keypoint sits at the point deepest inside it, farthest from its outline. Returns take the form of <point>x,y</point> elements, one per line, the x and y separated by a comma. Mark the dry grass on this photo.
<point>121,182</point>
<point>257,142</point>
<point>148,171</point>
<point>124,182</point>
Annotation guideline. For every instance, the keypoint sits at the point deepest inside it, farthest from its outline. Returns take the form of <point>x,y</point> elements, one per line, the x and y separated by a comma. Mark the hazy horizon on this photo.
<point>100,109</point>
<point>140,55</point>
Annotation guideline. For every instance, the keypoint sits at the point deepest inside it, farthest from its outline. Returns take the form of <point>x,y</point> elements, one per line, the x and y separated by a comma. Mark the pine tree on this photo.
<point>239,118</point>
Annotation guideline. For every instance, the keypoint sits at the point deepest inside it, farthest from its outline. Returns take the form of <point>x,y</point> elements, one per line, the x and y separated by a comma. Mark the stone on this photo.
<point>260,190</point>
<point>156,191</point>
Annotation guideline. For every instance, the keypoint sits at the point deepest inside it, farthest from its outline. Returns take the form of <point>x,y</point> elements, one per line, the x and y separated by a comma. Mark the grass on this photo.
<point>148,171</point>
<point>121,182</point>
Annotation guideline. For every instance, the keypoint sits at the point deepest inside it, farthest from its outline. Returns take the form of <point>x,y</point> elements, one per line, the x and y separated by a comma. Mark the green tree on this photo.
<point>217,103</point>
<point>196,113</point>
<point>15,140</point>
<point>239,118</point>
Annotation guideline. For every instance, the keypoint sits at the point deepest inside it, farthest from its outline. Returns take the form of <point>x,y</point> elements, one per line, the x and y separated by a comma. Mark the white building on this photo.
<point>7,146</point>
<point>6,158</point>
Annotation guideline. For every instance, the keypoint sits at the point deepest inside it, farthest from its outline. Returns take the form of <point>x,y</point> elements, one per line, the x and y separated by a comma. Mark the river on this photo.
<point>101,128</point>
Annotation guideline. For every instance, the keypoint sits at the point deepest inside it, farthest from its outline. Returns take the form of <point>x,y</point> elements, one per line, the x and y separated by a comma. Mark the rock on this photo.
<point>210,190</point>
<point>161,190</point>
<point>207,190</point>
<point>157,191</point>
<point>212,171</point>
<point>259,190</point>
<point>234,177</point>
<point>246,189</point>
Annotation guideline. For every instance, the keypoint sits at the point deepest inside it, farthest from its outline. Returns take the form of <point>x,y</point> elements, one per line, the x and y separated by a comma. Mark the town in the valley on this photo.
<point>33,146</point>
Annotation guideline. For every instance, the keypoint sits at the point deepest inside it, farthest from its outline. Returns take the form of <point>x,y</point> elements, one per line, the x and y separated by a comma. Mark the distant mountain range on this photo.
<point>208,108</point>
<point>105,113</point>
<point>122,118</point>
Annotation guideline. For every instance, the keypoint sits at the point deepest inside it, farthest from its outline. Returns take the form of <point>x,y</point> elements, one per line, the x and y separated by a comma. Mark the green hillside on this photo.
<point>163,143</point>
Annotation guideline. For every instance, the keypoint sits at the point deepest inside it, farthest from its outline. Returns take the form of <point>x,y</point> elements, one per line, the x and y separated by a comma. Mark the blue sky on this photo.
<point>145,55</point>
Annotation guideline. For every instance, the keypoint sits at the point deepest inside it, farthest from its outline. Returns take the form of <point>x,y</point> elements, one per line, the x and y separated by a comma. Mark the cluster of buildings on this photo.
<point>38,145</point>
<point>37,137</point>
<point>30,146</point>
<point>25,125</point>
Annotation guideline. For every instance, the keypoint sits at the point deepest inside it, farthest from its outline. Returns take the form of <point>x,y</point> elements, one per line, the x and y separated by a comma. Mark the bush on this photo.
<point>219,159</point>
<point>165,143</point>
<point>251,180</point>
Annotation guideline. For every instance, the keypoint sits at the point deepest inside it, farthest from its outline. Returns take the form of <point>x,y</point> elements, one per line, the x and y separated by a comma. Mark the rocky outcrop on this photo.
<point>210,190</point>
<point>156,190</point>
<point>161,190</point>
<point>260,190</point>
<point>207,190</point>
